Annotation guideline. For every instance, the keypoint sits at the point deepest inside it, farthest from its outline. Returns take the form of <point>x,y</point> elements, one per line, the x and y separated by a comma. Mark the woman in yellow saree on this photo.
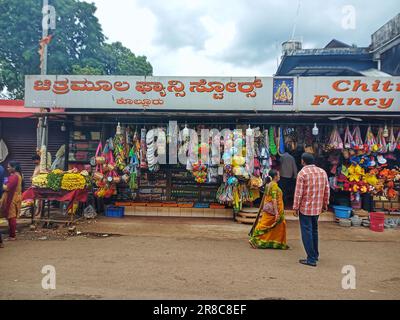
<point>270,231</point>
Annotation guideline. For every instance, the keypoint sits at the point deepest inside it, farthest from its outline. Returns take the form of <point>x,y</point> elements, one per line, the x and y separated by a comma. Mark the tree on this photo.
<point>120,60</point>
<point>77,47</point>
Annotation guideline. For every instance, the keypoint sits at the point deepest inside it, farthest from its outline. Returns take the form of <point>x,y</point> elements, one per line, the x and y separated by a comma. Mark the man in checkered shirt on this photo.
<point>310,199</point>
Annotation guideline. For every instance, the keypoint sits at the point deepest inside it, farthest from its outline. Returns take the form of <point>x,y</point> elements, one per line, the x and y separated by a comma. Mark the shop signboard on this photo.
<point>156,93</point>
<point>349,94</point>
<point>285,94</point>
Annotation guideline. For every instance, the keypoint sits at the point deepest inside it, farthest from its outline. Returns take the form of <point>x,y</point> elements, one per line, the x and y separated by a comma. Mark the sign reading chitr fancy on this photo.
<point>355,86</point>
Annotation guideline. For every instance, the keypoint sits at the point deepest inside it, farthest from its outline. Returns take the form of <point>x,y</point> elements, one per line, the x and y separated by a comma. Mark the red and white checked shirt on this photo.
<point>312,191</point>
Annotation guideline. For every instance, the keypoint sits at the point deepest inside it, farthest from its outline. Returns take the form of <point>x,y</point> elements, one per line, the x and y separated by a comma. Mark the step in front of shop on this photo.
<point>178,212</point>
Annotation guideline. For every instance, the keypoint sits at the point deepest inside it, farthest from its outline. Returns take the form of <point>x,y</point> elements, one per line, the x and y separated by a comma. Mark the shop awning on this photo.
<point>16,109</point>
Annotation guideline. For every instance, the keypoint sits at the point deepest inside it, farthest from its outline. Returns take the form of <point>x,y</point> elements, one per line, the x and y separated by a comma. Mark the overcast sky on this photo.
<point>234,37</point>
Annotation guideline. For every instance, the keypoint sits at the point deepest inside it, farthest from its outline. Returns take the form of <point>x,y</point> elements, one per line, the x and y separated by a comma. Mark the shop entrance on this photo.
<point>359,155</point>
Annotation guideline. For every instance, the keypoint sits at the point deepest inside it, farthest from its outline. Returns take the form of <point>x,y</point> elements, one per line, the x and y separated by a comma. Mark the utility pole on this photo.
<point>45,33</point>
<point>43,122</point>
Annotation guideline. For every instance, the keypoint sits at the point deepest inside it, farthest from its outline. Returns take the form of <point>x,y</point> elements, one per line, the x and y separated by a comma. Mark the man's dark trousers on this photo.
<point>287,185</point>
<point>309,235</point>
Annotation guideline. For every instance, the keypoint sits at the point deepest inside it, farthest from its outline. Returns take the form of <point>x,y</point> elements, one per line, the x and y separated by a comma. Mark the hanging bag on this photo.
<point>98,175</point>
<point>99,159</point>
<point>335,141</point>
<point>268,205</point>
<point>382,146</point>
<point>370,141</point>
<point>348,139</point>
<point>398,141</point>
<point>111,162</point>
<point>392,141</point>
<point>358,143</point>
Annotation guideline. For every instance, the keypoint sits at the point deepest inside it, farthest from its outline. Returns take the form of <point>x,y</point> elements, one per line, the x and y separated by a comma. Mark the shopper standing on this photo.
<point>310,199</point>
<point>288,173</point>
<point>1,194</point>
<point>12,197</point>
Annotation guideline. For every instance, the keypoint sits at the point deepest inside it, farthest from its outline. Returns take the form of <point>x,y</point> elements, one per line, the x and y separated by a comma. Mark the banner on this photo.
<point>285,94</point>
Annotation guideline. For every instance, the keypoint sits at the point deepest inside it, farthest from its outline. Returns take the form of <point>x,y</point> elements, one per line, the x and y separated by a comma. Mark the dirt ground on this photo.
<point>187,258</point>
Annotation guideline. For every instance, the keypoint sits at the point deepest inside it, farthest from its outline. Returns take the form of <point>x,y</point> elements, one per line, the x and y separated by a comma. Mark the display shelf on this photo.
<point>79,136</point>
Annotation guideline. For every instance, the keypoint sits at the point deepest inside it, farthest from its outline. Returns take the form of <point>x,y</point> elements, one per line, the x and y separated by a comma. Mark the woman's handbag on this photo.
<point>269,208</point>
<point>268,205</point>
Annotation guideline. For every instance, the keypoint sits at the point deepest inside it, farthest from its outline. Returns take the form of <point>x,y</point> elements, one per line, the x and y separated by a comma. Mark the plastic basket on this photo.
<point>123,204</point>
<point>138,204</point>
<point>185,205</point>
<point>115,212</point>
<point>377,221</point>
<point>170,204</point>
<point>201,205</point>
<point>217,206</point>
<point>342,212</point>
<point>154,204</point>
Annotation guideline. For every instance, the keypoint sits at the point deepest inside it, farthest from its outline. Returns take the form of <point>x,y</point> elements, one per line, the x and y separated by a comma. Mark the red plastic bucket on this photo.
<point>377,220</point>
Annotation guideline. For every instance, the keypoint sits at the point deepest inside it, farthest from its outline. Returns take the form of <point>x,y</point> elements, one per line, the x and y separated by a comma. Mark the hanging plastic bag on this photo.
<point>392,141</point>
<point>398,141</point>
<point>381,142</point>
<point>358,142</point>
<point>348,139</point>
<point>335,141</point>
<point>370,141</point>
<point>89,212</point>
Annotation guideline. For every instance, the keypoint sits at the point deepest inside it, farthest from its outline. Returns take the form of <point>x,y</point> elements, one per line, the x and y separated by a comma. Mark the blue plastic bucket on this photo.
<point>342,212</point>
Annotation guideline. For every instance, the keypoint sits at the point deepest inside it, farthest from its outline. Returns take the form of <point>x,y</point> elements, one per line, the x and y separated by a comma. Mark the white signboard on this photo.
<point>319,94</point>
<point>349,94</point>
<point>159,93</point>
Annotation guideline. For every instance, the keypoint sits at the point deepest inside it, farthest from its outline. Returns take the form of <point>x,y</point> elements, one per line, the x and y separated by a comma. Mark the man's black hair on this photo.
<point>308,158</point>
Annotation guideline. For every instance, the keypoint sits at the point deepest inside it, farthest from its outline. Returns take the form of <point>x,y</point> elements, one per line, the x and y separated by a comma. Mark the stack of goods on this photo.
<point>105,176</point>
<point>361,167</point>
<point>120,176</point>
<point>27,208</point>
<point>233,193</point>
<point>132,170</point>
<point>55,179</point>
<point>40,181</point>
<point>153,186</point>
<point>199,172</point>
<point>58,180</point>
<point>74,180</point>
<point>120,152</point>
<point>151,151</point>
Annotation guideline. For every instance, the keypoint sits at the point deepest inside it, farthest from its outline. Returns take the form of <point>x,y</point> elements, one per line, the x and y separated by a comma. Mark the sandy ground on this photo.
<point>187,258</point>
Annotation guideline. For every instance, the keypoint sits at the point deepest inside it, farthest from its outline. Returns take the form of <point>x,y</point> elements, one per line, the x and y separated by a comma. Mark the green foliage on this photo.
<point>78,45</point>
